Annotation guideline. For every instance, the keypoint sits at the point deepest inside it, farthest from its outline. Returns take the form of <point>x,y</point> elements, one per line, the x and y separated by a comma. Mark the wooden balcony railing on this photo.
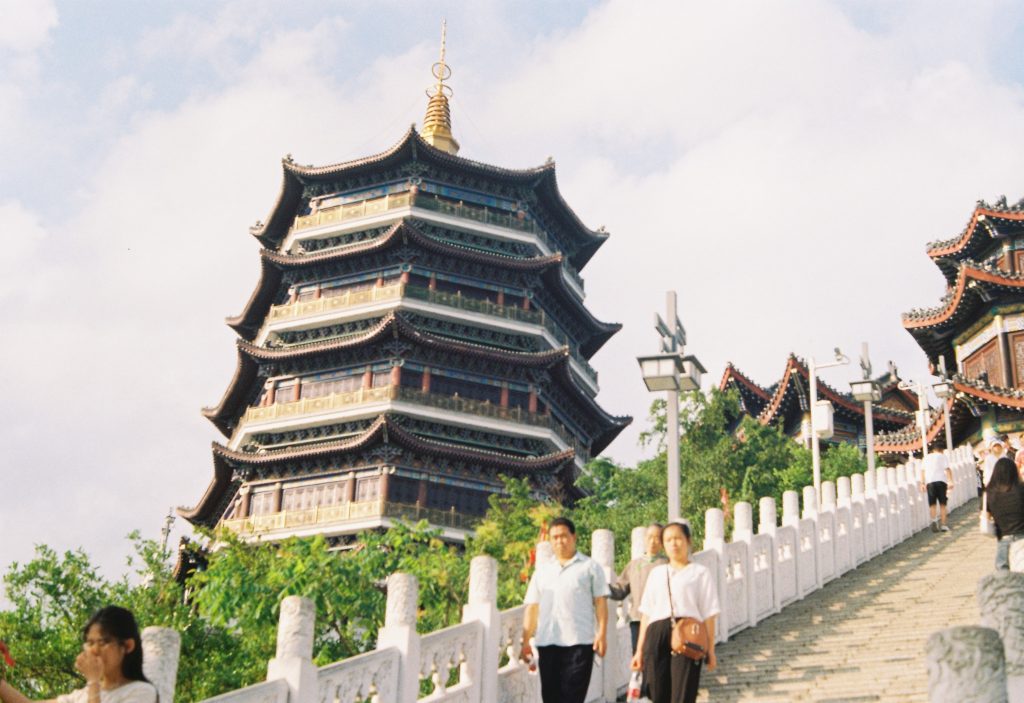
<point>350,399</point>
<point>347,512</point>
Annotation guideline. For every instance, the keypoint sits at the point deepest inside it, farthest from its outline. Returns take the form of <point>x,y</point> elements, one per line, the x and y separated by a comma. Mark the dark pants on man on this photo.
<point>565,672</point>
<point>634,633</point>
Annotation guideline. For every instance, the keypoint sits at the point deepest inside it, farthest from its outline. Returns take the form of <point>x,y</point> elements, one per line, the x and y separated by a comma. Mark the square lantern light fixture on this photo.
<point>943,389</point>
<point>866,391</point>
<point>671,372</point>
<point>822,417</point>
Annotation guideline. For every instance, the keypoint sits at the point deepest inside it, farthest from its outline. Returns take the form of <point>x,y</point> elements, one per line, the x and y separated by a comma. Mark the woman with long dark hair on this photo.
<point>110,661</point>
<point>1005,499</point>
<point>679,589</point>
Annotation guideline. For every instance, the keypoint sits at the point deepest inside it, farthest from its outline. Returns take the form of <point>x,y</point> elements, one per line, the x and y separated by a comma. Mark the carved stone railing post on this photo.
<point>714,540</point>
<point>1001,601</point>
<point>637,543</point>
<point>843,490</point>
<point>161,648</point>
<point>399,631</point>
<point>743,531</point>
<point>602,550</point>
<point>482,607</point>
<point>294,658</point>
<point>791,508</point>
<point>768,519</point>
<point>966,663</point>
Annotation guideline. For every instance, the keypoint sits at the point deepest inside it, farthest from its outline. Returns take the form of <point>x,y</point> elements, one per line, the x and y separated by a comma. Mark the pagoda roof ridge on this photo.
<point>732,372</point>
<point>385,429</point>
<point>909,438</point>
<point>412,147</point>
<point>796,367</point>
<point>978,225</point>
<point>272,263</point>
<point>396,322</point>
<point>968,272</point>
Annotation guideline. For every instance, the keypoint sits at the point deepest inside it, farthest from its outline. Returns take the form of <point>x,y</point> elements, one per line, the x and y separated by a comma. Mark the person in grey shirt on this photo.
<point>566,598</point>
<point>633,578</point>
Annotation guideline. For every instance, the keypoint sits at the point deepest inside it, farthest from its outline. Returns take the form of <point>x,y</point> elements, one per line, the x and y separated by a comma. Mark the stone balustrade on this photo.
<point>757,575</point>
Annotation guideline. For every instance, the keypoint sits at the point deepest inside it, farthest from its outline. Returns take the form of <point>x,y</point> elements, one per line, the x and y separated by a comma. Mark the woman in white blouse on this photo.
<point>674,678</point>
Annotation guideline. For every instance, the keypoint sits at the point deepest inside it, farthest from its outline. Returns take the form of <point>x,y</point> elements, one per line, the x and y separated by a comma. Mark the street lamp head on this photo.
<point>841,357</point>
<point>943,389</point>
<point>866,391</point>
<point>661,372</point>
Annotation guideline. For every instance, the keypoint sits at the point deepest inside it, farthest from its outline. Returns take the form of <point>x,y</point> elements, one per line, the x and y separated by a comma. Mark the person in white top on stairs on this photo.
<point>679,589</point>
<point>936,480</point>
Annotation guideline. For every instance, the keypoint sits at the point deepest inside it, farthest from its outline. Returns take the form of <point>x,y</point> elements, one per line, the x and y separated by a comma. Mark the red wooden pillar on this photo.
<point>380,280</point>
<point>501,297</point>
<point>278,490</point>
<point>404,278</point>
<point>367,379</point>
<point>532,402</point>
<point>432,284</point>
<point>350,488</point>
<point>526,303</point>
<point>425,386</point>
<point>396,376</point>
<point>384,480</point>
<point>246,506</point>
<point>504,395</point>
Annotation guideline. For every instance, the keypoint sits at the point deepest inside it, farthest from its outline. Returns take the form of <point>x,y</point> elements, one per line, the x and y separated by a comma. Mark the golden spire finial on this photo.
<point>437,125</point>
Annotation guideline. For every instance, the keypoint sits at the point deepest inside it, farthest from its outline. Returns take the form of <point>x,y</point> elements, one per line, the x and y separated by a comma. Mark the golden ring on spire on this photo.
<point>441,71</point>
<point>438,90</point>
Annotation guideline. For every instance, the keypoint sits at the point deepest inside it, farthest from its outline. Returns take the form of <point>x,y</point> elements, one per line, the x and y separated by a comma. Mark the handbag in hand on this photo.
<point>689,635</point>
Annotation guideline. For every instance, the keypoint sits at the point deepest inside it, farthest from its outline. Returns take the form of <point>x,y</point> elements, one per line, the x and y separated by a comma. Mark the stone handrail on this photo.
<point>756,575</point>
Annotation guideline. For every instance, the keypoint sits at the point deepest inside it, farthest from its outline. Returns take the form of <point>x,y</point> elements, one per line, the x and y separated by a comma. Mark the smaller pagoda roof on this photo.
<point>384,430</point>
<point>753,397</point>
<point>908,439</point>
<point>987,224</point>
<point>976,287</point>
<point>794,385</point>
<point>410,148</point>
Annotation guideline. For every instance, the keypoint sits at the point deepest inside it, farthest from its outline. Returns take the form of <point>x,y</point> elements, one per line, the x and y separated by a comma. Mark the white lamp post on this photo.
<point>944,390</point>
<point>673,373</point>
<point>867,392</point>
<point>821,419</point>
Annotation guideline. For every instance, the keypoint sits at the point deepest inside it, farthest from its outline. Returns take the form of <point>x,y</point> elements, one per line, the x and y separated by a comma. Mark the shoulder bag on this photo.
<point>689,635</point>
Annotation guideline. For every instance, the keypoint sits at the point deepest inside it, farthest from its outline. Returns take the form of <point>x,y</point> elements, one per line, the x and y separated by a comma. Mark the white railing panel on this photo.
<point>903,506</point>
<point>807,547</point>
<point>455,648</point>
<point>360,677</point>
<point>736,586</point>
<point>882,538</point>
<point>871,546</point>
<point>266,692</point>
<point>761,563</point>
<point>786,552</point>
<point>842,539</point>
<point>516,684</point>
<point>858,534</point>
<point>826,546</point>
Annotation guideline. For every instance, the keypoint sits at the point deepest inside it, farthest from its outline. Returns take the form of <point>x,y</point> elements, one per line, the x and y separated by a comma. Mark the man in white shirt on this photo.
<point>564,599</point>
<point>936,479</point>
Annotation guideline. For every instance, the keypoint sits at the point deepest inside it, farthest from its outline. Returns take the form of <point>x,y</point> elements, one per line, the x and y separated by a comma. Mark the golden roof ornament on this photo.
<point>437,125</point>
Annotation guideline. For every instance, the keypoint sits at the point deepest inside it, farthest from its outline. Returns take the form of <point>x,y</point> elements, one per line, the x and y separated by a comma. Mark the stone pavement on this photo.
<point>862,636</point>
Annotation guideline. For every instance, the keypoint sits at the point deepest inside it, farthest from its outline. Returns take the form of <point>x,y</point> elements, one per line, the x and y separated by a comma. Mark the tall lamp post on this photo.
<point>867,392</point>
<point>673,373</point>
<point>922,416</point>
<point>944,390</point>
<point>821,416</point>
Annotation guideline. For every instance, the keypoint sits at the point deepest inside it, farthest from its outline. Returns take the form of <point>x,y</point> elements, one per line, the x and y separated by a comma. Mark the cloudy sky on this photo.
<point>781,164</point>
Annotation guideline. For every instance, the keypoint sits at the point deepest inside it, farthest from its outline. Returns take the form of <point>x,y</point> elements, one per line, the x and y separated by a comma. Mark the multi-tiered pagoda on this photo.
<point>977,330</point>
<point>418,330</point>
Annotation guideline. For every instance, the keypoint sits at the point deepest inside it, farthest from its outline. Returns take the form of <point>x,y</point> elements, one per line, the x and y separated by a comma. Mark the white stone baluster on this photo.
<point>482,607</point>
<point>161,648</point>
<point>602,549</point>
<point>294,657</point>
<point>791,508</point>
<point>1001,601</point>
<point>637,543</point>
<point>843,489</point>
<point>966,663</point>
<point>399,631</point>
<point>743,531</point>
<point>714,540</point>
<point>767,525</point>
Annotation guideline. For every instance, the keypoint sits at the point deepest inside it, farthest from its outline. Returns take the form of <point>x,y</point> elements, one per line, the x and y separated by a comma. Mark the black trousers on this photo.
<point>671,678</point>
<point>565,672</point>
<point>634,633</point>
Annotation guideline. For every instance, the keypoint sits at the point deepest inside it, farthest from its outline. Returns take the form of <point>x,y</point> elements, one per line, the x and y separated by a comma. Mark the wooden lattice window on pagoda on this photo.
<point>986,361</point>
<point>1017,354</point>
<point>1018,259</point>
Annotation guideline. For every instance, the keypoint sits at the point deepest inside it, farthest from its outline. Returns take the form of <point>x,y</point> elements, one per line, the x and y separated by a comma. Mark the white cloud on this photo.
<point>27,24</point>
